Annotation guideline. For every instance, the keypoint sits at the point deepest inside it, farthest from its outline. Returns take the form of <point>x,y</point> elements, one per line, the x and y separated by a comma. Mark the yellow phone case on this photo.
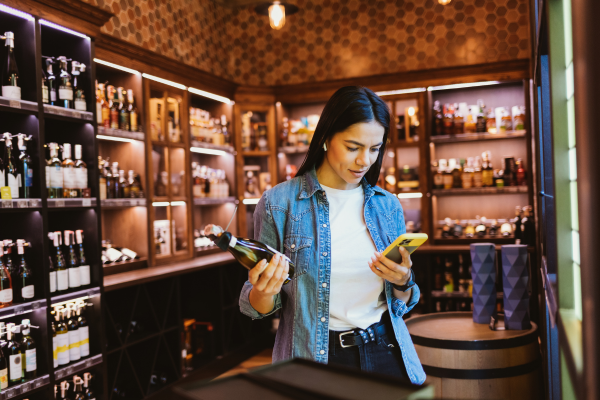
<point>410,241</point>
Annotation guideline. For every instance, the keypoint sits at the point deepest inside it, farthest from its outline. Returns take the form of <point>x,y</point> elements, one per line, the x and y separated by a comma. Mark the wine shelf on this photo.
<point>120,203</point>
<point>475,137</point>
<point>480,191</point>
<point>210,146</point>
<point>72,203</point>
<point>292,149</point>
<point>256,153</point>
<point>77,367</point>
<point>90,292</point>
<point>25,387</point>
<point>18,104</point>
<point>21,308</point>
<point>207,201</point>
<point>118,133</point>
<point>21,203</point>
<point>67,112</point>
<point>440,294</point>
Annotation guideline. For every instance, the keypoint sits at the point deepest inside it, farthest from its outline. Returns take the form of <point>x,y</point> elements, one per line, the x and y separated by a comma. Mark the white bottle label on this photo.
<point>84,341</point>
<point>74,353</point>
<point>84,272</point>
<point>47,177</point>
<point>45,94</point>
<point>53,95</point>
<point>52,281</point>
<point>3,379</point>
<point>55,351</point>
<point>65,93</point>
<point>15,367</point>
<point>62,279</point>
<point>13,183</point>
<point>62,341</point>
<point>11,92</point>
<point>30,360</point>
<point>74,277</point>
<point>99,113</point>
<point>81,178</point>
<point>56,177</point>
<point>69,181</point>
<point>80,105</point>
<point>28,292</point>
<point>6,295</point>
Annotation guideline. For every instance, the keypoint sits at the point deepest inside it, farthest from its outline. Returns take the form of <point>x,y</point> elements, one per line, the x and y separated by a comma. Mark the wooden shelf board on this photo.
<point>208,201</point>
<point>203,145</point>
<point>11,205</point>
<point>19,106</point>
<point>117,268</point>
<point>119,133</point>
<point>480,191</point>
<point>77,367</point>
<point>61,298</point>
<point>25,388</point>
<point>122,203</point>
<point>475,137</point>
<point>20,308</point>
<point>256,153</point>
<point>55,111</point>
<point>72,203</point>
<point>293,150</point>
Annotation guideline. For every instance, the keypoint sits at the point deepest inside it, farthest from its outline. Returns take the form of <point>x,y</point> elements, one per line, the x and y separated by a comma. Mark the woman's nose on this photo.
<point>363,159</point>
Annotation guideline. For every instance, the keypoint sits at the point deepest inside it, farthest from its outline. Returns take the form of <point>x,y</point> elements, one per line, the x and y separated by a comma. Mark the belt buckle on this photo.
<point>342,340</point>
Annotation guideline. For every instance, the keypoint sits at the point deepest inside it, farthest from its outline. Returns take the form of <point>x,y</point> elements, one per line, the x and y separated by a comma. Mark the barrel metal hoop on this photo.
<point>475,374</point>
<point>476,344</point>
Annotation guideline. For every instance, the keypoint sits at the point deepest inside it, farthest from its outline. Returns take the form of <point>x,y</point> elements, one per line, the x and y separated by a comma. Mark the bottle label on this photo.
<point>55,351</point>
<point>45,94</point>
<point>52,281</point>
<point>28,173</point>
<point>47,177</point>
<point>53,95</point>
<point>84,272</point>
<point>74,277</point>
<point>13,183</point>
<point>84,341</point>
<point>99,113</point>
<point>80,105</point>
<point>69,181</point>
<point>11,92</point>
<point>30,360</point>
<point>63,279</point>
<point>3,379</point>
<point>28,292</point>
<point>15,367</point>
<point>74,353</point>
<point>6,295</point>
<point>65,93</point>
<point>438,179</point>
<point>62,349</point>
<point>81,178</point>
<point>106,117</point>
<point>56,177</point>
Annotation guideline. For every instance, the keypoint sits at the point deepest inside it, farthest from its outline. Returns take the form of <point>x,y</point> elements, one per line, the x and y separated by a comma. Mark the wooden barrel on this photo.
<point>465,360</point>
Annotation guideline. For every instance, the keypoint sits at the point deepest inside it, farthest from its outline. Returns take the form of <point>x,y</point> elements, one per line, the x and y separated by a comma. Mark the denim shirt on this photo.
<point>293,217</point>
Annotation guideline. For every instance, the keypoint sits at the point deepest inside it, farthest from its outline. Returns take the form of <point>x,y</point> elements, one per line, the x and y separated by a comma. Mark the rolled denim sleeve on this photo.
<point>265,231</point>
<point>399,308</point>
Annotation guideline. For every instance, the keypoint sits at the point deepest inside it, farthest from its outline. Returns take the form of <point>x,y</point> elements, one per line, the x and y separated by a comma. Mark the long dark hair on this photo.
<point>348,106</point>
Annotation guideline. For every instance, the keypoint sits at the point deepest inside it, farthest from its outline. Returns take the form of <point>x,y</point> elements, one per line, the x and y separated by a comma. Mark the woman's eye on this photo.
<point>375,150</point>
<point>352,149</point>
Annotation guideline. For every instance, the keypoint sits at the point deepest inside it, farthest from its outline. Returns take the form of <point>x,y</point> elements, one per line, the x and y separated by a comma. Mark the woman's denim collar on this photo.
<point>310,184</point>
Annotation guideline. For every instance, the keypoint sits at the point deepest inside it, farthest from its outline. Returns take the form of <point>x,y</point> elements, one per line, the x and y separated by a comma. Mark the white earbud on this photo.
<point>325,146</point>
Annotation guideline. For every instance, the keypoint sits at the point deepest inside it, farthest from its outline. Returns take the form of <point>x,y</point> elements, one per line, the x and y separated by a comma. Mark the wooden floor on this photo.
<point>263,358</point>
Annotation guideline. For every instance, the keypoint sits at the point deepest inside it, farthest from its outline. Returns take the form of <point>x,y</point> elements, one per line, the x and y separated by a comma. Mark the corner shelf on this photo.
<point>21,308</point>
<point>18,105</point>
<point>210,146</point>
<point>68,112</point>
<point>480,191</point>
<point>118,133</point>
<point>72,203</point>
<point>475,137</point>
<point>208,201</point>
<point>25,387</point>
<point>20,203</point>
<point>77,367</point>
<point>122,203</point>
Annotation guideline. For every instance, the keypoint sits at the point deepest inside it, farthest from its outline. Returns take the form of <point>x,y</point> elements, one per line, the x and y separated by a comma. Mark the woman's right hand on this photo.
<point>267,278</point>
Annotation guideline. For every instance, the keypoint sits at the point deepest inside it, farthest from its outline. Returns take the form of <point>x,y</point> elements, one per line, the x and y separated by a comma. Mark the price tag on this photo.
<point>38,383</point>
<point>86,202</point>
<point>11,393</point>
<point>76,114</point>
<point>70,370</point>
<point>26,387</point>
<point>19,310</point>
<point>7,204</point>
<point>35,305</point>
<point>22,204</point>
<point>14,103</point>
<point>34,203</point>
<point>89,363</point>
<point>60,203</point>
<point>59,374</point>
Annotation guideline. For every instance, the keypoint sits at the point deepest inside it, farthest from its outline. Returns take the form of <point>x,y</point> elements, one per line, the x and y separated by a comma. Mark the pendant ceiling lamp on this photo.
<point>277,12</point>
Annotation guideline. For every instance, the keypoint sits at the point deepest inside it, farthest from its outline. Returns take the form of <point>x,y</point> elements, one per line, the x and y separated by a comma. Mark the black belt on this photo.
<point>358,336</point>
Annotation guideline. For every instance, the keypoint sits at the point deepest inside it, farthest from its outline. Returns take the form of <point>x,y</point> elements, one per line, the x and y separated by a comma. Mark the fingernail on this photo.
<point>286,276</point>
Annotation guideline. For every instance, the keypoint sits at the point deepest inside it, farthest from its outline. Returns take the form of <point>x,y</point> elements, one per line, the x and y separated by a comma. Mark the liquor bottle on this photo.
<point>3,361</point>
<point>62,337</point>
<point>11,171</point>
<point>470,230</point>
<point>134,188</point>
<point>51,81</point>
<point>114,110</point>
<point>55,172</point>
<point>84,331</point>
<point>78,390</point>
<point>13,350</point>
<point>6,291</point>
<point>493,229</point>
<point>54,339</point>
<point>448,120</point>
<point>447,228</point>
<point>12,268</point>
<point>458,121</point>
<point>102,179</point>
<point>481,228</point>
<point>69,177</point>
<point>521,174</point>
<point>84,268</point>
<point>25,166</point>
<point>65,88</point>
<point>123,185</point>
<point>467,174</point>
<point>487,171</point>
<point>247,252</point>
<point>64,388</point>
<point>10,71</point>
<point>457,229</point>
<point>99,101</point>
<point>115,185</point>
<point>76,69</point>
<point>528,227</point>
<point>28,348</point>
<point>477,173</point>
<point>72,261</point>
<point>438,118</point>
<point>123,110</point>
<point>81,174</point>
<point>45,93</point>
<point>448,177</point>
<point>438,177</point>
<point>456,174</point>
<point>107,99</point>
<point>73,327</point>
<point>133,111</point>
<point>62,272</point>
<point>517,225</point>
<point>108,177</point>
<point>463,285</point>
<point>481,120</point>
<point>26,280</point>
<point>470,125</point>
<point>87,387</point>
<point>448,276</point>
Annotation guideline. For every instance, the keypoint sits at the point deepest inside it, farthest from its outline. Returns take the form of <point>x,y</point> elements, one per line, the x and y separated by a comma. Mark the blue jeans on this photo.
<point>383,356</point>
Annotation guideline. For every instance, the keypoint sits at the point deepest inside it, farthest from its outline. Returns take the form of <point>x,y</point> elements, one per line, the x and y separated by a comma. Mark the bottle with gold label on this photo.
<point>487,170</point>
<point>477,173</point>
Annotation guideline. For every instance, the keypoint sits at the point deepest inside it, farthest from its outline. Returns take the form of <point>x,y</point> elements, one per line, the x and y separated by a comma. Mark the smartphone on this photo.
<point>410,241</point>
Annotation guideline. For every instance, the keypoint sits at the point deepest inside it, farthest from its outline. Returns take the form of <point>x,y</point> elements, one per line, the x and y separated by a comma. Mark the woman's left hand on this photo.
<point>397,274</point>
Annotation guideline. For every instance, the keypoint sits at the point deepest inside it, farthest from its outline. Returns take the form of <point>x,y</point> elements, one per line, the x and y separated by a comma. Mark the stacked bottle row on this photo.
<point>478,172</point>
<point>70,333</point>
<point>458,118</point>
<point>76,389</point>
<point>298,132</point>
<point>450,277</point>
<point>114,184</point>
<point>66,91</point>
<point>66,178</point>
<point>206,129</point>
<point>16,172</point>
<point>18,354</point>
<point>16,278</point>
<point>112,254</point>
<point>209,182</point>
<point>72,271</point>
<point>114,110</point>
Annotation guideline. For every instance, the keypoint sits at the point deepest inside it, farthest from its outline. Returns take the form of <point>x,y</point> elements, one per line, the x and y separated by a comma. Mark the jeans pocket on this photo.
<point>387,342</point>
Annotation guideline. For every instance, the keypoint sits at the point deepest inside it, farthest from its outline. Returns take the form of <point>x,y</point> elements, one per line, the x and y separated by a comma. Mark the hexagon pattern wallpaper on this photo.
<point>326,39</point>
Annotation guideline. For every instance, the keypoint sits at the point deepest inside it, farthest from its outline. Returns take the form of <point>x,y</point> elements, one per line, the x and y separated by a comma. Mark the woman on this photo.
<point>345,302</point>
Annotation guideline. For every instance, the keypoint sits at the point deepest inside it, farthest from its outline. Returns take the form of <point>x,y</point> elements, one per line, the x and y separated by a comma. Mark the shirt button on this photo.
<point>322,351</point>
<point>323,319</point>
<point>292,246</point>
<point>324,284</point>
<point>324,225</point>
<point>324,254</point>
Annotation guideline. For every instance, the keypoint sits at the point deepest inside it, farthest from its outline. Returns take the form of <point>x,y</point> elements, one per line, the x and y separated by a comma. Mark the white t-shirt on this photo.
<point>357,297</point>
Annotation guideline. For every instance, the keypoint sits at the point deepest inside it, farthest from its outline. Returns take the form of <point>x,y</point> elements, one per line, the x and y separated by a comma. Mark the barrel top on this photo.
<point>459,326</point>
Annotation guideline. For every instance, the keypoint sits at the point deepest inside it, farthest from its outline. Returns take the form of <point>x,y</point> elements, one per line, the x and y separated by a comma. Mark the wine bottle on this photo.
<point>84,331</point>
<point>110,192</point>
<point>133,111</point>
<point>45,94</point>
<point>6,291</point>
<point>106,97</point>
<point>72,261</point>
<point>65,88</point>
<point>78,391</point>
<point>114,109</point>
<point>13,348</point>
<point>84,268</point>
<point>10,73</point>
<point>123,110</point>
<point>64,388</point>
<point>62,272</point>
<point>11,171</point>
<point>12,268</point>
<point>73,328</point>
<point>28,348</point>
<point>55,172</point>
<point>99,100</point>
<point>123,185</point>
<point>81,174</point>
<point>89,393</point>
<point>51,264</point>
<point>247,252</point>
<point>26,181</point>
<point>54,340</point>
<point>25,275</point>
<point>51,81</point>
<point>76,69</point>
<point>115,185</point>
<point>69,177</point>
<point>3,361</point>
<point>62,338</point>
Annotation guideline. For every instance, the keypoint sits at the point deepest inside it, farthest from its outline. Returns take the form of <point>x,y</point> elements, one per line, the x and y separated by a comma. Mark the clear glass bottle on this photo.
<point>133,111</point>
<point>26,181</point>
<point>81,174</point>
<point>481,119</point>
<point>72,260</point>
<point>65,88</point>
<point>6,291</point>
<point>26,279</point>
<point>448,120</point>
<point>10,72</point>
<point>11,169</point>
<point>79,96</point>
<point>123,110</point>
<point>69,176</point>
<point>28,347</point>
<point>13,348</point>
<point>51,83</point>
